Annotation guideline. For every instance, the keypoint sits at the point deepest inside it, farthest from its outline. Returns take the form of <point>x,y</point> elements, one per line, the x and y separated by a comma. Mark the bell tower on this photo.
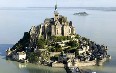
<point>56,14</point>
<point>56,6</point>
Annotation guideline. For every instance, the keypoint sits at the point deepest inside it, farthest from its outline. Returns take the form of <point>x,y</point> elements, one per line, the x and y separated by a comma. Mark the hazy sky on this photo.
<point>61,3</point>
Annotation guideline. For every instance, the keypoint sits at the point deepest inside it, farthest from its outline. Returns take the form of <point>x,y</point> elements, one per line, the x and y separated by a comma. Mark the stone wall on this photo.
<point>54,53</point>
<point>60,65</point>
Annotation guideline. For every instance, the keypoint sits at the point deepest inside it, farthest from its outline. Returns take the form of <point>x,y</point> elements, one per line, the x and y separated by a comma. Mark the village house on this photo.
<point>65,57</point>
<point>52,54</point>
<point>19,56</point>
<point>83,49</point>
<point>8,52</point>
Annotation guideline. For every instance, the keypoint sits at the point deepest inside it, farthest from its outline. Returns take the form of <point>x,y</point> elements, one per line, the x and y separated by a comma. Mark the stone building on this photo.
<point>8,52</point>
<point>57,26</point>
<point>19,56</point>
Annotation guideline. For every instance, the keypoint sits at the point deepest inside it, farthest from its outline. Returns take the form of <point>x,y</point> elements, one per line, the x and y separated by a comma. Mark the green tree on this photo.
<point>22,43</point>
<point>77,36</point>
<point>67,49</point>
<point>41,43</point>
<point>58,48</point>
<point>60,38</point>
<point>72,43</point>
<point>55,48</point>
<point>45,56</point>
<point>76,52</point>
<point>32,57</point>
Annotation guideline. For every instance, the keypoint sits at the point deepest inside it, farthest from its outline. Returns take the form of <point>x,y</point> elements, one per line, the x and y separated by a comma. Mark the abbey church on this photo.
<point>57,26</point>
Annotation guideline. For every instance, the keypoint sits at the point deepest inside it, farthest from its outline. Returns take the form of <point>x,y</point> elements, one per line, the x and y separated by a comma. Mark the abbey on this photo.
<point>57,26</point>
<point>55,43</point>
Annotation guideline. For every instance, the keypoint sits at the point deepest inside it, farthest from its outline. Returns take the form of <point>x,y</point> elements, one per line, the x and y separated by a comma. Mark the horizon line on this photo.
<point>53,7</point>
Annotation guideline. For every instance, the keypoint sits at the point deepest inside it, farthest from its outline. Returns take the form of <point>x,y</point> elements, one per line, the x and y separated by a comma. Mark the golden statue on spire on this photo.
<point>56,6</point>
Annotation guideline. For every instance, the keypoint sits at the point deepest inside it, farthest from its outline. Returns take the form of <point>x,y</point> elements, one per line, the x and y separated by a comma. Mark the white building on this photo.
<point>83,50</point>
<point>20,55</point>
<point>8,52</point>
<point>70,55</point>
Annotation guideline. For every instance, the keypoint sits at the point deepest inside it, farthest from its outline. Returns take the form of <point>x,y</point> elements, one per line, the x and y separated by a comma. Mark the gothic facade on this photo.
<point>57,26</point>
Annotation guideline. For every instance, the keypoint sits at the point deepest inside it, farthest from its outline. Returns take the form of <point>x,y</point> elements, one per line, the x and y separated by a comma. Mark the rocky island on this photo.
<point>55,43</point>
<point>81,14</point>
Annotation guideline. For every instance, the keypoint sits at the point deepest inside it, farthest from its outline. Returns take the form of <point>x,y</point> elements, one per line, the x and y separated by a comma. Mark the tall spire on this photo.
<point>56,6</point>
<point>56,14</point>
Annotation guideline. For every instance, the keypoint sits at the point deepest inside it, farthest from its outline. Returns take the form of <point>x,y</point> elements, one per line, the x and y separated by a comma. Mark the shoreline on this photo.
<point>70,69</point>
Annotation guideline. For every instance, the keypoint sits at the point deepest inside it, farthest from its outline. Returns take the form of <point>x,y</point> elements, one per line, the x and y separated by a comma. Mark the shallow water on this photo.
<point>98,26</point>
<point>7,66</point>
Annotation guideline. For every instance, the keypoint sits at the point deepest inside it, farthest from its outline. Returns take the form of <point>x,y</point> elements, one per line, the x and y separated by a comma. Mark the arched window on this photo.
<point>69,30</point>
<point>57,31</point>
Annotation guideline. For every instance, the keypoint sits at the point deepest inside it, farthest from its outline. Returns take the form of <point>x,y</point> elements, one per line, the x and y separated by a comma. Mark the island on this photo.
<point>55,43</point>
<point>81,14</point>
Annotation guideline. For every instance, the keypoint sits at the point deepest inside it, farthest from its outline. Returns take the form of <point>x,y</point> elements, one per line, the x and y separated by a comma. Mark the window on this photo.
<point>57,31</point>
<point>69,30</point>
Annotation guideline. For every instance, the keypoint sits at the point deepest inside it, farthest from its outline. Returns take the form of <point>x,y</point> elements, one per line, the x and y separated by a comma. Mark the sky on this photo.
<point>61,3</point>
